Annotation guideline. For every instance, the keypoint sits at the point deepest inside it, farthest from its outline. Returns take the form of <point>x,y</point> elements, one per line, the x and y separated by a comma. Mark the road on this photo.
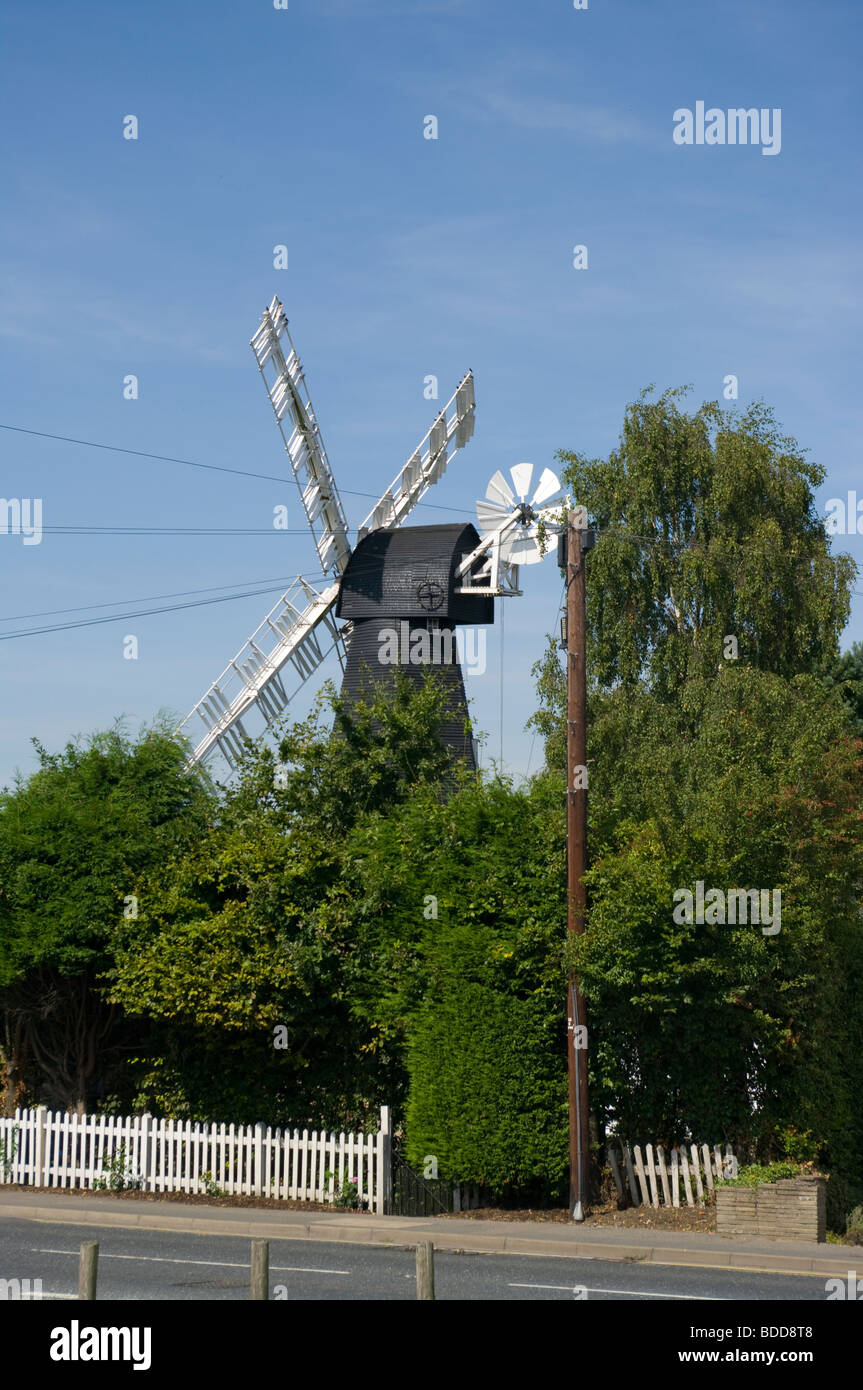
<point>147,1264</point>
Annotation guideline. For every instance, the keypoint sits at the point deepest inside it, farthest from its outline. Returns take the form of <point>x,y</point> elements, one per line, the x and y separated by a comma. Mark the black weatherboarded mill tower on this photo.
<point>400,594</point>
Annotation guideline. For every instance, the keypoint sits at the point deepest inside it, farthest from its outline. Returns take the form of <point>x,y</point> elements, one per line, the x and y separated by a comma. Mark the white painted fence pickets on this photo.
<point>45,1148</point>
<point>682,1168</point>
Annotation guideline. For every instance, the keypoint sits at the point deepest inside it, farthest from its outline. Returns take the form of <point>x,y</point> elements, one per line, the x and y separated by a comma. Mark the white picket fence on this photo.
<point>650,1179</point>
<point>45,1148</point>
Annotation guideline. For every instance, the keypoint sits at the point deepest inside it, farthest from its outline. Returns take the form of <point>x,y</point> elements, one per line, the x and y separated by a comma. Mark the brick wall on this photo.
<point>791,1209</point>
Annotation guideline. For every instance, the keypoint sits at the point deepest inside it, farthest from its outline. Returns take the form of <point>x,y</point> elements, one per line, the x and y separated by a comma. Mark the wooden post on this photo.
<point>650,1168</point>
<point>384,1173</point>
<point>663,1175</point>
<point>258,1168</point>
<point>675,1175</point>
<point>642,1179</point>
<point>577,542</point>
<point>425,1270</point>
<point>615,1172</point>
<point>705,1153</point>
<point>686,1181</point>
<point>630,1176</point>
<point>88,1266</point>
<point>697,1171</point>
<point>39,1148</point>
<point>260,1277</point>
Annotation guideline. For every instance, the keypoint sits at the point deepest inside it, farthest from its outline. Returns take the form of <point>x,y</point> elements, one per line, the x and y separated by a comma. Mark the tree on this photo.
<point>486,864</point>
<point>722,762</point>
<point>74,838</point>
<point>846,675</point>
<point>707,530</point>
<point>259,926</point>
<point>752,783</point>
<point>330,898</point>
<point>461,913</point>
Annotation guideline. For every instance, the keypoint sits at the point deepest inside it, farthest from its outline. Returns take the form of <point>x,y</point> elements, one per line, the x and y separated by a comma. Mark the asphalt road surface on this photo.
<point>141,1264</point>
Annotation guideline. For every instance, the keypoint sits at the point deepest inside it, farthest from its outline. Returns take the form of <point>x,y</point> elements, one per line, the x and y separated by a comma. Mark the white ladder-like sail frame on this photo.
<point>427,463</point>
<point>300,630</point>
<point>295,417</point>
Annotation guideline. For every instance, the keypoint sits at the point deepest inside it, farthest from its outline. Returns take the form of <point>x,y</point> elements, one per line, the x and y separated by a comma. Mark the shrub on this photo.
<point>488,1091</point>
<point>754,1174</point>
<point>854,1226</point>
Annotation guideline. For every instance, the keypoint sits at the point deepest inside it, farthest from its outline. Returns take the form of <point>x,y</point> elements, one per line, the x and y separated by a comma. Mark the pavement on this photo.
<point>692,1248</point>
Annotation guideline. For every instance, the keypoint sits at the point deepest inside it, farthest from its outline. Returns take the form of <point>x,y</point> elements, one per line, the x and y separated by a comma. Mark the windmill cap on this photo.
<point>410,573</point>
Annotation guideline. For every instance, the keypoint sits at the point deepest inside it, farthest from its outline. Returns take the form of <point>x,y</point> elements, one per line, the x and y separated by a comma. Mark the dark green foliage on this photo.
<point>272,920</point>
<point>750,781</point>
<point>488,1090</point>
<point>843,1205</point>
<point>846,675</point>
<point>488,860</point>
<point>738,773</point>
<point>466,924</point>
<point>332,900</point>
<point>708,528</point>
<point>74,840</point>
<point>75,836</point>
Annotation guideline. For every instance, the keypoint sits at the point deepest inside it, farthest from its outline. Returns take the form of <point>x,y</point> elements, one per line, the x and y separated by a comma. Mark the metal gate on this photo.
<point>414,1195</point>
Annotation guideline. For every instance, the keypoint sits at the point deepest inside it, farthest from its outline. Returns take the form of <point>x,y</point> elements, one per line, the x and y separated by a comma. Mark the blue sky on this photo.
<point>407,256</point>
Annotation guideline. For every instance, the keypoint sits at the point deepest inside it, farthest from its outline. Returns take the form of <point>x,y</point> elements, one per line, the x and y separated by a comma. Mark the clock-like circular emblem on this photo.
<point>430,595</point>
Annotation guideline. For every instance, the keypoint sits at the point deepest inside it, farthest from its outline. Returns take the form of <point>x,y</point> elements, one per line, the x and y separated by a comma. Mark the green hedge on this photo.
<point>487,1090</point>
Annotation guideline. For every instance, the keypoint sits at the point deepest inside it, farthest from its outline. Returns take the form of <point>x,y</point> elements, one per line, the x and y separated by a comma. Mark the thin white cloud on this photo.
<point>518,90</point>
<point>58,317</point>
<point>584,122</point>
<point>390,9</point>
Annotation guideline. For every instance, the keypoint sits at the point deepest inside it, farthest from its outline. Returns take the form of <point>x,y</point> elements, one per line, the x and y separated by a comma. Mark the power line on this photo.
<point>139,453</point>
<point>211,467</point>
<point>130,617</point>
<point>63,530</point>
<point>693,547</point>
<point>149,598</point>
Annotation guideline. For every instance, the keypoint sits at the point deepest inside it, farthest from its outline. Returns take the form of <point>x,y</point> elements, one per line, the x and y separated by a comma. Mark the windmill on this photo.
<point>418,584</point>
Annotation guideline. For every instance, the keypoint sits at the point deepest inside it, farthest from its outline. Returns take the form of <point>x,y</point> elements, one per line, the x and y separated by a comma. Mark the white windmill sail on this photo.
<point>453,426</point>
<point>301,629</point>
<point>295,417</point>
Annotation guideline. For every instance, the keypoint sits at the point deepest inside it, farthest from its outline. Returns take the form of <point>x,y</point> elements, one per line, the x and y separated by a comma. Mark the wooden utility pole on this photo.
<point>578,541</point>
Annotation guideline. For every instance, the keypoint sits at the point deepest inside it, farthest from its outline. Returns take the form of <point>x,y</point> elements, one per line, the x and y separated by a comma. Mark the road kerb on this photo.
<point>479,1242</point>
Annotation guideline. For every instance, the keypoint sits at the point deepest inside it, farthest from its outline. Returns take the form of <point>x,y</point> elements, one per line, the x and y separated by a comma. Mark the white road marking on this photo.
<point>631,1293</point>
<point>212,1264</point>
<point>35,1298</point>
